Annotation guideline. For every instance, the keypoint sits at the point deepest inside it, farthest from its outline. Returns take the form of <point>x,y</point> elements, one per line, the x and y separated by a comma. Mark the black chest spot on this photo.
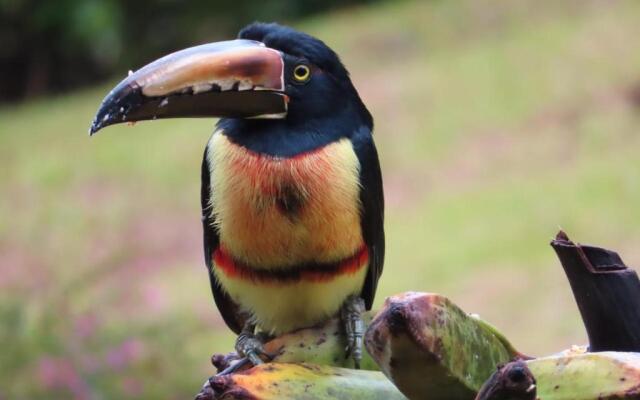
<point>290,201</point>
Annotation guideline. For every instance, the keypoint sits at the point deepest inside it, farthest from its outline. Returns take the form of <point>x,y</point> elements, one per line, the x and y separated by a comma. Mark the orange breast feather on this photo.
<point>276,212</point>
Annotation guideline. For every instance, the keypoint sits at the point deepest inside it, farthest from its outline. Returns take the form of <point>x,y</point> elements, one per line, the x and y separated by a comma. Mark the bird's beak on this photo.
<point>236,78</point>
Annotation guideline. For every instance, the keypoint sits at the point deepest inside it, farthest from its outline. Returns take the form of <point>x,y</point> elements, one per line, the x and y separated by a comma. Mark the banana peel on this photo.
<point>322,345</point>
<point>300,381</point>
<point>431,349</point>
<point>588,376</point>
<point>567,376</point>
<point>427,346</point>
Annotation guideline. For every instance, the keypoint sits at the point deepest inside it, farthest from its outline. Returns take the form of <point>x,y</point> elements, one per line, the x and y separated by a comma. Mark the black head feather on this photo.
<point>296,43</point>
<point>324,109</point>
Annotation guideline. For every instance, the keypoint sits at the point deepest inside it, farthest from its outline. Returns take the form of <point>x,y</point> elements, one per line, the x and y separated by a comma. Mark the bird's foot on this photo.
<point>251,346</point>
<point>351,315</point>
<point>250,349</point>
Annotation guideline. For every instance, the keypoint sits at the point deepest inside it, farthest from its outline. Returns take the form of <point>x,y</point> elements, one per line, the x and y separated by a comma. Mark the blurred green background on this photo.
<point>496,122</point>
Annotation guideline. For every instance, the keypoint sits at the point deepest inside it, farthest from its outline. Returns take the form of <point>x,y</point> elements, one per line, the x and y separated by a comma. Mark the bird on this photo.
<point>291,196</point>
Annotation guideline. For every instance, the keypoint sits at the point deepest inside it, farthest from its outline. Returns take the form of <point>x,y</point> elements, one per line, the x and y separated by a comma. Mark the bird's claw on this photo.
<point>249,352</point>
<point>251,347</point>
<point>351,314</point>
<point>234,366</point>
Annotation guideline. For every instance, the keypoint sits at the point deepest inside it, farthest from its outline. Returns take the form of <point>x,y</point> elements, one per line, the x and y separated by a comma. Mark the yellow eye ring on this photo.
<point>301,73</point>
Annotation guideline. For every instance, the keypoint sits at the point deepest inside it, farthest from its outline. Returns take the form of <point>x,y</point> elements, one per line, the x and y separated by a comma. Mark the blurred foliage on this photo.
<point>496,122</point>
<point>49,46</point>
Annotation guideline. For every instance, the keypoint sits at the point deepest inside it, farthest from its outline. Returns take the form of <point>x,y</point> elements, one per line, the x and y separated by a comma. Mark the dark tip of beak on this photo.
<point>115,107</point>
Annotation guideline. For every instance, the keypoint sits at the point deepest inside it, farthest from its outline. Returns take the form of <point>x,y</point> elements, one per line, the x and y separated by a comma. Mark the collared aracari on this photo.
<point>292,201</point>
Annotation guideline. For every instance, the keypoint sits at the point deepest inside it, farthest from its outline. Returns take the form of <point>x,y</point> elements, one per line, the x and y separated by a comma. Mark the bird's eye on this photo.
<point>301,73</point>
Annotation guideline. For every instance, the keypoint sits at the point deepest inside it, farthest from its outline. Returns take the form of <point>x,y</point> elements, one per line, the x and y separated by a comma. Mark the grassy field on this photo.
<point>497,123</point>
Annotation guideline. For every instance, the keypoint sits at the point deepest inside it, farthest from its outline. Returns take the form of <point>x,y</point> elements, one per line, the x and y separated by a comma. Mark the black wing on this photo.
<point>372,211</point>
<point>228,308</point>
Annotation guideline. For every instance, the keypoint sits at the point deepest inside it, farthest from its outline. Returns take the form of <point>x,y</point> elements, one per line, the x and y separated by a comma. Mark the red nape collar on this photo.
<point>314,272</point>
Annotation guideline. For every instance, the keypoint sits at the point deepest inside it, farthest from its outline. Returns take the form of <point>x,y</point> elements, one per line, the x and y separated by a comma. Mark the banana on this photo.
<point>322,345</point>
<point>571,375</point>
<point>278,381</point>
<point>427,346</point>
<point>431,349</point>
<point>587,376</point>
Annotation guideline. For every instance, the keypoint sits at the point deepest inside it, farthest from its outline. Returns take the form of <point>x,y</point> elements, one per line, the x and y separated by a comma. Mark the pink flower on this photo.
<point>59,373</point>
<point>86,325</point>
<point>128,352</point>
